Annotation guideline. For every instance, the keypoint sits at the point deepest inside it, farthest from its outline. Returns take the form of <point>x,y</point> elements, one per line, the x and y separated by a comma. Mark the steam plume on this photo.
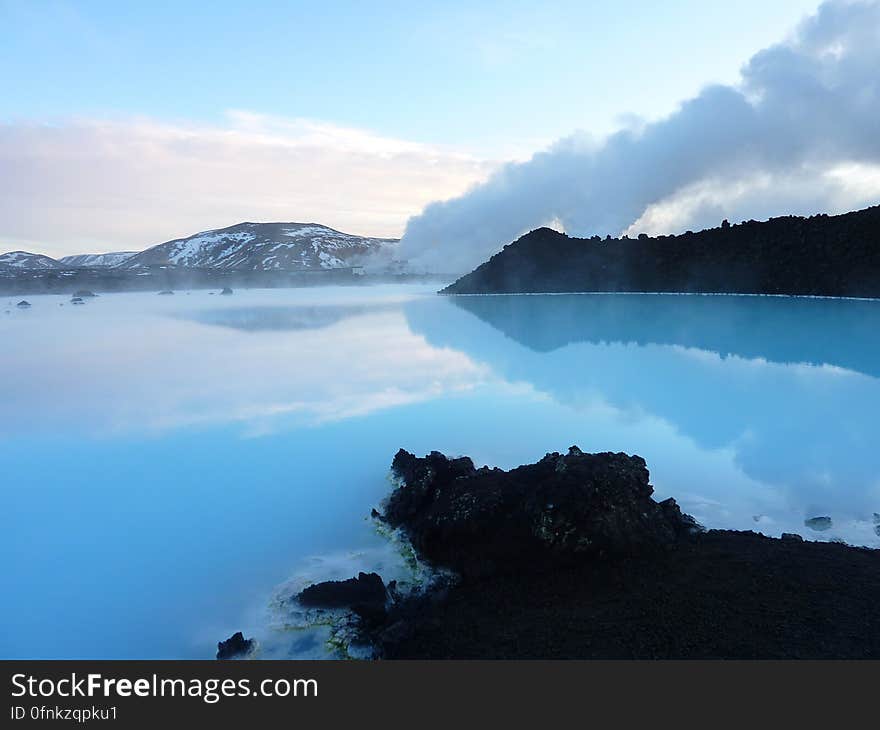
<point>803,109</point>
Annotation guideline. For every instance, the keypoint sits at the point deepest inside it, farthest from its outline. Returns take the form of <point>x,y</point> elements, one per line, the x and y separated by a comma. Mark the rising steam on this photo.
<point>804,109</point>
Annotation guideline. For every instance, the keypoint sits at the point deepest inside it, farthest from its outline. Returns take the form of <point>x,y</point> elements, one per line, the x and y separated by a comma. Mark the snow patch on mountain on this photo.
<point>306,230</point>
<point>98,260</point>
<point>188,251</point>
<point>27,260</point>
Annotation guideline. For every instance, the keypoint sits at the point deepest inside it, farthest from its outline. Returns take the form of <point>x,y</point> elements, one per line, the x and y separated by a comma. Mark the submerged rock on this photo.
<point>235,646</point>
<point>819,524</point>
<point>165,293</point>
<point>478,521</point>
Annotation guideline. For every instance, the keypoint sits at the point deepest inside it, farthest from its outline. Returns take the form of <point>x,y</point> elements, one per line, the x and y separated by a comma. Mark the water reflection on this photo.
<point>785,386</point>
<point>136,363</point>
<point>262,319</point>
<point>839,332</point>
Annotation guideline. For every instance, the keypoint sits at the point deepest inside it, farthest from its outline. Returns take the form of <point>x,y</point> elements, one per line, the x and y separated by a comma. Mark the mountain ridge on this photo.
<point>27,260</point>
<point>251,246</point>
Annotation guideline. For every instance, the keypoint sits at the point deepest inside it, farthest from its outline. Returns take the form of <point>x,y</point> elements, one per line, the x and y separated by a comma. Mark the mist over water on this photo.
<point>174,466</point>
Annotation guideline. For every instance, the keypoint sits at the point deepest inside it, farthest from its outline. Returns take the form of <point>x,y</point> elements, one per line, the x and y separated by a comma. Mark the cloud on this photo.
<point>805,112</point>
<point>83,185</point>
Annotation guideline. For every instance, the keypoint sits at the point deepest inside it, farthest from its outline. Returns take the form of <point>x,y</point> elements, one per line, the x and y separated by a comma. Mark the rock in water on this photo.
<point>23,304</point>
<point>820,524</point>
<point>226,291</point>
<point>77,300</point>
<point>365,595</point>
<point>84,293</point>
<point>235,646</point>
<point>478,521</point>
<point>165,293</point>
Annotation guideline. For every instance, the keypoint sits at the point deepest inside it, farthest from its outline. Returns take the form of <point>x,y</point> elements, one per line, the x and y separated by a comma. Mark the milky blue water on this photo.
<point>171,466</point>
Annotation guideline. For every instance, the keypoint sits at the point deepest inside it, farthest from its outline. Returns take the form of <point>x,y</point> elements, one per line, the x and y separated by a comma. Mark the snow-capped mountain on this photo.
<point>26,260</point>
<point>266,246</point>
<point>245,246</point>
<point>89,260</point>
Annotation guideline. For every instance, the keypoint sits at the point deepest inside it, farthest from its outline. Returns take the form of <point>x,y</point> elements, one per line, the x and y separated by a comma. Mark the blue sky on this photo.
<point>474,74</point>
<point>126,124</point>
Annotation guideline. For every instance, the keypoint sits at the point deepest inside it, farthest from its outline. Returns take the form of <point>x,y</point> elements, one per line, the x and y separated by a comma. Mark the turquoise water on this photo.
<point>173,466</point>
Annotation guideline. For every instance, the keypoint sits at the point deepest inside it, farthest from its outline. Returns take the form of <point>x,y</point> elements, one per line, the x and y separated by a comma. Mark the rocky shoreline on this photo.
<point>571,557</point>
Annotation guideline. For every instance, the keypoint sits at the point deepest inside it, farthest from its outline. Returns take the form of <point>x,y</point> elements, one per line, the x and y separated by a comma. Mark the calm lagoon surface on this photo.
<point>173,466</point>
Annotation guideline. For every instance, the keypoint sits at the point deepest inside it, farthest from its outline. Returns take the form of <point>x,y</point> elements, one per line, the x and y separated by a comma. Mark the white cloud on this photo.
<point>86,184</point>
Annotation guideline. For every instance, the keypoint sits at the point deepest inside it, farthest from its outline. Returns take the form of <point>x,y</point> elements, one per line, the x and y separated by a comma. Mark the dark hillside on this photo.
<point>821,255</point>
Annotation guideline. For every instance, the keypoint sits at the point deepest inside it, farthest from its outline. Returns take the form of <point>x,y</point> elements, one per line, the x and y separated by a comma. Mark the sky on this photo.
<point>123,125</point>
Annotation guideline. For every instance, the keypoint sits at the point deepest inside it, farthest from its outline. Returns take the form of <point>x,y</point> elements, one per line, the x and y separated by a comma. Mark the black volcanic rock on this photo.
<point>566,558</point>
<point>572,558</point>
<point>723,595</point>
<point>365,595</point>
<point>479,521</point>
<point>236,645</point>
<point>820,255</point>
